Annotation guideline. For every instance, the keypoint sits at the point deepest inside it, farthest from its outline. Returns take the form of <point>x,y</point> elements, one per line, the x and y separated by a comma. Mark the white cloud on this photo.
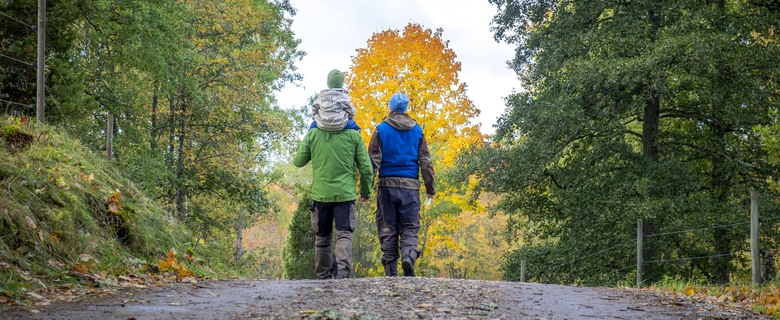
<point>331,31</point>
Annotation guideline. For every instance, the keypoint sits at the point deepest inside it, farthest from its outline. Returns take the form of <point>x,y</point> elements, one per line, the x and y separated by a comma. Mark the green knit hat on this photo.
<point>335,79</point>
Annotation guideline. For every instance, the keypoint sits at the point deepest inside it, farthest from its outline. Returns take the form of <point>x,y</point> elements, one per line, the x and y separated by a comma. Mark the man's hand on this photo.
<point>430,196</point>
<point>364,199</point>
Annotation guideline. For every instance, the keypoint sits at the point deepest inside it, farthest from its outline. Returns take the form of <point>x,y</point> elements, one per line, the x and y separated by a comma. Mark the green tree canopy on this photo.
<point>633,109</point>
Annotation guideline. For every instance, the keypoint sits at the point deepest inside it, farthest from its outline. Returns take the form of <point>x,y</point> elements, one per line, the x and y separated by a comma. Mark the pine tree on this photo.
<point>298,254</point>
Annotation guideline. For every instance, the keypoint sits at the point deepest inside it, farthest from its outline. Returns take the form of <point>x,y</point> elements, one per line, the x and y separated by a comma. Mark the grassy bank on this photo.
<point>66,213</point>
<point>764,298</point>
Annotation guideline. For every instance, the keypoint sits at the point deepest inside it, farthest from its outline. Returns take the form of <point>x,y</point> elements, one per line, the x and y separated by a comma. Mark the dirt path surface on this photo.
<point>379,298</point>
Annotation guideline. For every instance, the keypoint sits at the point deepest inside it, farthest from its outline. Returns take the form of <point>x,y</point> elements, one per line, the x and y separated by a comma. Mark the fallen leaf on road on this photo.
<point>307,311</point>
<point>35,296</point>
<point>424,306</point>
<point>43,303</point>
<point>81,268</point>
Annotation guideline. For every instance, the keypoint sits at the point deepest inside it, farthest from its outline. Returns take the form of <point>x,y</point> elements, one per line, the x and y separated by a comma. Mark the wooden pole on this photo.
<point>755,258</point>
<point>522,270</point>
<point>40,66</point>
<point>110,138</point>
<point>639,258</point>
<point>239,237</point>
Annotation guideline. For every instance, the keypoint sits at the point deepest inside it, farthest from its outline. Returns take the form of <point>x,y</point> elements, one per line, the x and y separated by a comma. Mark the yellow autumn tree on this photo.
<point>419,63</point>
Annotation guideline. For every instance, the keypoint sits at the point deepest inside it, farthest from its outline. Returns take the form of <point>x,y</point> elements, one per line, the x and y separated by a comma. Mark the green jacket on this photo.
<point>333,156</point>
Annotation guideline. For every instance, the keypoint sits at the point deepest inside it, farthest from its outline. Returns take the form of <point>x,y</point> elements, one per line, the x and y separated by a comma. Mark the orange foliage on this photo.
<point>114,203</point>
<point>170,264</point>
<point>419,63</point>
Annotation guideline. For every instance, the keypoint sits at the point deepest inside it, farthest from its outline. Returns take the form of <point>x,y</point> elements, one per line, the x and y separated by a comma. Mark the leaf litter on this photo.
<point>369,298</point>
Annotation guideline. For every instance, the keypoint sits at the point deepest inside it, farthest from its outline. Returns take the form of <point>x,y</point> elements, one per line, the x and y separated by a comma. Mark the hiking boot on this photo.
<point>391,269</point>
<point>408,265</point>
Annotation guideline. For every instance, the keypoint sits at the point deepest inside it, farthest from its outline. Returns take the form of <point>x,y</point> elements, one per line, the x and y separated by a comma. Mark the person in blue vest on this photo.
<point>399,152</point>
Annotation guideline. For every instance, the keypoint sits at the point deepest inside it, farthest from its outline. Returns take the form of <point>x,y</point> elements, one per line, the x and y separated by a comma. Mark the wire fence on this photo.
<point>697,229</point>
<point>30,25</point>
<point>689,258</point>
<point>56,102</point>
<point>17,103</point>
<point>568,263</point>
<point>18,60</point>
<point>627,271</point>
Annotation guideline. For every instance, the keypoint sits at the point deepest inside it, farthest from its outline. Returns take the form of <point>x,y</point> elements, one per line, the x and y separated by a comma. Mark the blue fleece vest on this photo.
<point>399,151</point>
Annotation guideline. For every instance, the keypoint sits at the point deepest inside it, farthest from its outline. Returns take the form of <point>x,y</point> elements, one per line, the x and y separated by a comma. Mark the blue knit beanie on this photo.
<point>399,102</point>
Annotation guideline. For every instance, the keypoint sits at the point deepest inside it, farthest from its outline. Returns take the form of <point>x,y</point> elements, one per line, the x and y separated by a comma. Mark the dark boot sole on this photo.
<point>408,267</point>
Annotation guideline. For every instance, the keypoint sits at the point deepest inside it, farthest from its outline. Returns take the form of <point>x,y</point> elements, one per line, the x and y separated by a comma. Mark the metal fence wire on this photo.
<point>753,222</point>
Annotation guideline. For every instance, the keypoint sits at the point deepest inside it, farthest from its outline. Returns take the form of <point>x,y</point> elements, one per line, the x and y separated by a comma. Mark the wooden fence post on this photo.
<point>239,237</point>
<point>40,66</point>
<point>639,259</point>
<point>522,270</point>
<point>755,258</point>
<point>110,138</point>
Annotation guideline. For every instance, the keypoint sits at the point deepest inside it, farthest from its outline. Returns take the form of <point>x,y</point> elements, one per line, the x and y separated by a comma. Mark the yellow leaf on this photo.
<point>114,203</point>
<point>81,268</point>
<point>60,182</point>
<point>171,256</point>
<point>88,178</point>
<point>689,291</point>
<point>164,265</point>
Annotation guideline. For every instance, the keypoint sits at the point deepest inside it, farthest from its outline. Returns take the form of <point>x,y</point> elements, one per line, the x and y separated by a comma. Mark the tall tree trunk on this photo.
<point>720,186</point>
<point>171,154</point>
<point>650,148</point>
<point>650,125</point>
<point>153,143</point>
<point>719,175</point>
<point>653,102</point>
<point>181,190</point>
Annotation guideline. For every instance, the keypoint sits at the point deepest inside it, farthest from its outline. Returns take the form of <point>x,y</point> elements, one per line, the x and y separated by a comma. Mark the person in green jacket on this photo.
<point>333,155</point>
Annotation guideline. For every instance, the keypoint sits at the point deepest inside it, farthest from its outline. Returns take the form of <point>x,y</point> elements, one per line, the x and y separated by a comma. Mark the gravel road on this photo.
<point>379,298</point>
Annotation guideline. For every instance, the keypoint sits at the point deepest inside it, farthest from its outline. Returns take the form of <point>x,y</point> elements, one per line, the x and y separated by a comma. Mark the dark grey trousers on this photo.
<point>323,216</point>
<point>397,222</point>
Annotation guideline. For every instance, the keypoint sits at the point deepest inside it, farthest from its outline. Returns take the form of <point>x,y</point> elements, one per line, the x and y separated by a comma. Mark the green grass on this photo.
<point>62,205</point>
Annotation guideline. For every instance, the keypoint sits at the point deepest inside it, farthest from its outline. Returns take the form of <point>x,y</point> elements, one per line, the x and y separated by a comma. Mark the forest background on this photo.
<point>662,111</point>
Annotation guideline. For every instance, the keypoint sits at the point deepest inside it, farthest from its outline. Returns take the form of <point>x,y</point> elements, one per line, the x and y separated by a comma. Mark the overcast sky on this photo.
<point>331,31</point>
